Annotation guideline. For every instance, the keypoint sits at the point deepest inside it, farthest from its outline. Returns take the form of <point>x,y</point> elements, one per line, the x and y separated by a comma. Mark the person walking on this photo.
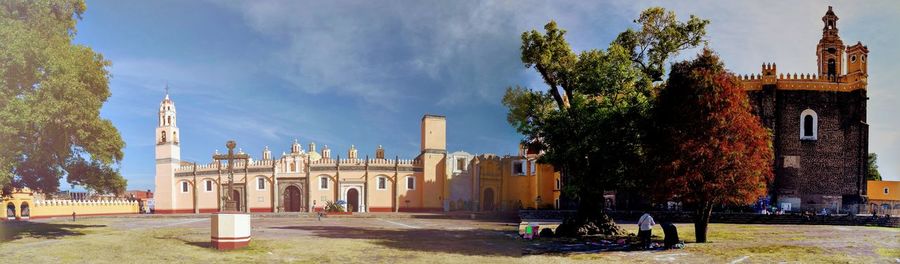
<point>645,226</point>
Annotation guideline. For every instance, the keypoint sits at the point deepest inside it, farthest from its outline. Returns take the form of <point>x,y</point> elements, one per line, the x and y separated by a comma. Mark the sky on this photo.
<point>365,72</point>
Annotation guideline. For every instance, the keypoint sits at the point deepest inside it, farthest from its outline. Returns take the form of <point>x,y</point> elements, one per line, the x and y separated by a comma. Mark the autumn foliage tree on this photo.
<point>590,120</point>
<point>711,150</point>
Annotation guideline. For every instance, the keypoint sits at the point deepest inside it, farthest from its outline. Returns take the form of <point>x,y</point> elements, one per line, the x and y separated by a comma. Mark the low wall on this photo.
<point>733,218</point>
<point>58,208</point>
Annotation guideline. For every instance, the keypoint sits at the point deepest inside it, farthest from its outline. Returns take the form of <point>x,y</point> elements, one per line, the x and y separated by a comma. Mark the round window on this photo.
<point>863,58</point>
<point>853,58</point>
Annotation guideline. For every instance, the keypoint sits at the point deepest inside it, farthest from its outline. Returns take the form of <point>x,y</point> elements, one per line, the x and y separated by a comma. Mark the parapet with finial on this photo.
<point>769,76</point>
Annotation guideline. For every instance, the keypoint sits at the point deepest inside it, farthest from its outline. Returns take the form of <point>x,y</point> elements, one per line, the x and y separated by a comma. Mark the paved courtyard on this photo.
<point>415,240</point>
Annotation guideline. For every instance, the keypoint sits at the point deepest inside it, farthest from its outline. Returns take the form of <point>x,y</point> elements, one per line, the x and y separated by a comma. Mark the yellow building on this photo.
<point>302,180</point>
<point>884,197</point>
<point>22,205</point>
<point>501,183</point>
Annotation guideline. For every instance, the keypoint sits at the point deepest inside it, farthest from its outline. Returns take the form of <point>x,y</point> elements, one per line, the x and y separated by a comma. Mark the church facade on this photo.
<point>301,180</point>
<point>305,179</point>
<point>819,125</point>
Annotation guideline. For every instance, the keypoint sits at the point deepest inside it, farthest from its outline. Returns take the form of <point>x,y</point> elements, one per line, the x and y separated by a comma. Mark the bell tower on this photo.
<point>168,156</point>
<point>830,51</point>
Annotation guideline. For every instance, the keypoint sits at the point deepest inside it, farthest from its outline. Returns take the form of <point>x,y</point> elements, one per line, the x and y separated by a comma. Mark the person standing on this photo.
<point>645,226</point>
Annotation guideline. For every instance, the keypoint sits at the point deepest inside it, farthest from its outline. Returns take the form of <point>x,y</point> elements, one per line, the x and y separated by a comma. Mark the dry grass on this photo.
<point>110,240</point>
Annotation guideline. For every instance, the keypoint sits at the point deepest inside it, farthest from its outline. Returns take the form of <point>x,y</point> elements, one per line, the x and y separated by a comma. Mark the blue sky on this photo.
<point>364,72</point>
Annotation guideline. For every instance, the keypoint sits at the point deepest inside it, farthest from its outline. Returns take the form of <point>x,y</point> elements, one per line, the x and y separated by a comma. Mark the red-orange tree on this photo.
<point>711,149</point>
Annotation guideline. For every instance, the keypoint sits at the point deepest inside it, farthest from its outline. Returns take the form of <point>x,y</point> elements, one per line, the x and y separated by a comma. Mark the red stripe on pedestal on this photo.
<point>229,245</point>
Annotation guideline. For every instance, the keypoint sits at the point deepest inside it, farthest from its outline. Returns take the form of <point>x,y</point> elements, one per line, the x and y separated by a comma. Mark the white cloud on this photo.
<point>462,53</point>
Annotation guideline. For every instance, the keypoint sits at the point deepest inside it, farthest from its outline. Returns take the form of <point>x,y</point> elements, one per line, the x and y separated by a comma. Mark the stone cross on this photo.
<point>230,203</point>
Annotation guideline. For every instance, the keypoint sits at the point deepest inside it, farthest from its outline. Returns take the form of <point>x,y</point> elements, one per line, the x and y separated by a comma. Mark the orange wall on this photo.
<point>875,190</point>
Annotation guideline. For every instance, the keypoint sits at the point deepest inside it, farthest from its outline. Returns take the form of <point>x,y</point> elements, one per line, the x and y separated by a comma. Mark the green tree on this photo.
<point>873,174</point>
<point>591,120</point>
<point>51,92</point>
<point>710,148</point>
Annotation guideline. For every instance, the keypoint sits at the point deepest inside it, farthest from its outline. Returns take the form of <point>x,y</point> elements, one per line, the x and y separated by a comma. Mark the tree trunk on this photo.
<point>701,222</point>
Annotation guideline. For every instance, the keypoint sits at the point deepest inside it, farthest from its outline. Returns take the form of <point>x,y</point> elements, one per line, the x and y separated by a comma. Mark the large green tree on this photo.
<point>711,150</point>
<point>51,92</point>
<point>873,174</point>
<point>590,121</point>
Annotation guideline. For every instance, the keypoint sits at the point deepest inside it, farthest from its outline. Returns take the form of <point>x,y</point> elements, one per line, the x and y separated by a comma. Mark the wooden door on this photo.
<point>352,200</point>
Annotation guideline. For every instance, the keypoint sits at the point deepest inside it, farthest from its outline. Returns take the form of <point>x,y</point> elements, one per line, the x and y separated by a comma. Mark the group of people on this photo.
<point>645,230</point>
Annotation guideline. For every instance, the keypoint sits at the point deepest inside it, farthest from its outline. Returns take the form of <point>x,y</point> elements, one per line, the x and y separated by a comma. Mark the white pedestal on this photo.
<point>230,230</point>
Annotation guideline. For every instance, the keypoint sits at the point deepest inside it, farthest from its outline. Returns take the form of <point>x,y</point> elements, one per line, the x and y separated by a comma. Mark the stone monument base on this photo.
<point>230,230</point>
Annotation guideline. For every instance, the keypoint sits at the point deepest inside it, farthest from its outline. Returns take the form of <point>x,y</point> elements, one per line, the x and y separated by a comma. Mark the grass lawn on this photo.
<point>405,240</point>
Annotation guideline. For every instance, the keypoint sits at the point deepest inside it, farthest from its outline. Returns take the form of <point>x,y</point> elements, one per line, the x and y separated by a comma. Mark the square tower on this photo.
<point>434,153</point>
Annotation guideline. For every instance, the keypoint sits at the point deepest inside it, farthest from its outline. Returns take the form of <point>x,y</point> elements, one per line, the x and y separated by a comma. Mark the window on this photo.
<point>853,58</point>
<point>533,165</point>
<point>293,166</point>
<point>461,164</point>
<point>518,168</point>
<point>885,190</point>
<point>163,135</point>
<point>382,183</point>
<point>809,125</point>
<point>184,187</point>
<point>208,185</point>
<point>260,183</point>
<point>832,72</point>
<point>323,183</point>
<point>557,184</point>
<point>410,183</point>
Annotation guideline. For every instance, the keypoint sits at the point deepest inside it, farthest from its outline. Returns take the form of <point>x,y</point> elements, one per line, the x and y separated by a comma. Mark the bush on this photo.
<point>546,232</point>
<point>333,207</point>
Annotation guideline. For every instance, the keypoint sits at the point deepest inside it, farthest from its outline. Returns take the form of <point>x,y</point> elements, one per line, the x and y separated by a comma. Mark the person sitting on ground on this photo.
<point>645,227</point>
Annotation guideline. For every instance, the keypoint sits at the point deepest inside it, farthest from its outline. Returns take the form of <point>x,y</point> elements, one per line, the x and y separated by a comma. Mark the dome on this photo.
<point>314,155</point>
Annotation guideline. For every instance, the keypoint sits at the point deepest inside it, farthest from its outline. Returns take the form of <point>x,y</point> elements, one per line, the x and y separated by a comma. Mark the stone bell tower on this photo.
<point>168,156</point>
<point>830,51</point>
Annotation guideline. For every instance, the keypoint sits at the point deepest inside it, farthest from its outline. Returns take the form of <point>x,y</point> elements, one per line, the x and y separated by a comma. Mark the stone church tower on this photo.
<point>819,125</point>
<point>168,156</point>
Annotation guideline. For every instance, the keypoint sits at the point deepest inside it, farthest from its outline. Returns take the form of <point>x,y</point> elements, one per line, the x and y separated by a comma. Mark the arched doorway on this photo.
<point>352,200</point>
<point>11,211</point>
<point>488,200</point>
<point>26,211</point>
<point>292,199</point>
<point>236,196</point>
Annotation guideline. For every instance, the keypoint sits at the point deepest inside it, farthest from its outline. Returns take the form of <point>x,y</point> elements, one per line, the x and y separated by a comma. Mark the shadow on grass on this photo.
<point>203,244</point>
<point>475,242</point>
<point>13,230</point>
<point>494,217</point>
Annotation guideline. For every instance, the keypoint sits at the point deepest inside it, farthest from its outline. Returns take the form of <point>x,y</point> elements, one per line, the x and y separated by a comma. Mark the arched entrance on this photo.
<point>292,199</point>
<point>236,196</point>
<point>26,211</point>
<point>488,200</point>
<point>11,211</point>
<point>352,200</point>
